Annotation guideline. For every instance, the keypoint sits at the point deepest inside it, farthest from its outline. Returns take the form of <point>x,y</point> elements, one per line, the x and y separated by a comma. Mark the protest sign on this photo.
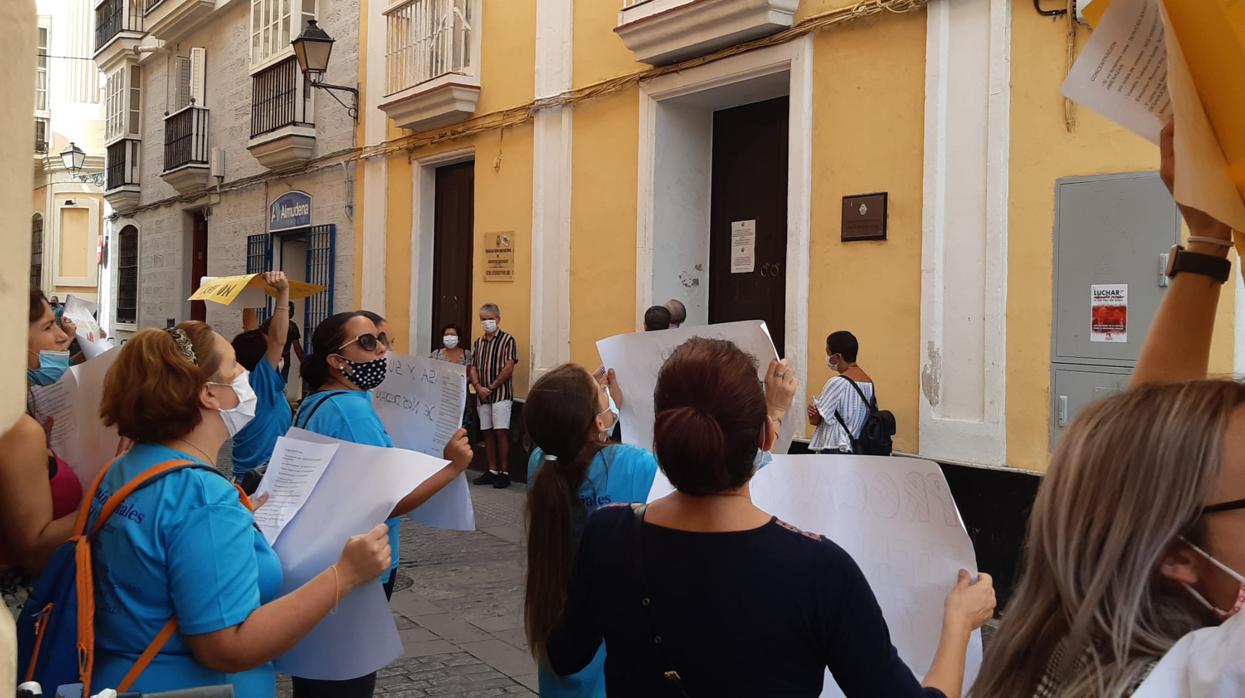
<point>421,404</point>
<point>1148,63</point>
<point>361,636</point>
<point>90,337</point>
<point>637,358</point>
<point>896,518</point>
<point>71,405</point>
<point>226,289</point>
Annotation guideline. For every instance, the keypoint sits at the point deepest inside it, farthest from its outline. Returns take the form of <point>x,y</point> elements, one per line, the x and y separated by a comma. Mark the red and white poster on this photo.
<point>1108,313</point>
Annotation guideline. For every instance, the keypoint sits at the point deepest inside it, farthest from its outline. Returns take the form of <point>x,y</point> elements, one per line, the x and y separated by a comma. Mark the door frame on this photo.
<point>793,58</point>
<point>423,210</point>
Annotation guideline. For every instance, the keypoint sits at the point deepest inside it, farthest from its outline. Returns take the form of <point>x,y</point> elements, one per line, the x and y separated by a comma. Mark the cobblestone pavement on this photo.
<point>458,605</point>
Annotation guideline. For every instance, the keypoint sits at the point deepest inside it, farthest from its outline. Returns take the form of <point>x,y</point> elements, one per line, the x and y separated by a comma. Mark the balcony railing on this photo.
<point>115,16</point>
<point>121,166</point>
<point>427,39</point>
<point>149,5</point>
<point>186,138</point>
<point>279,98</point>
<point>633,3</point>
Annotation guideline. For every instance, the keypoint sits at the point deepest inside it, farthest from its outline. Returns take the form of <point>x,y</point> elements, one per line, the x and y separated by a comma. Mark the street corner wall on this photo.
<point>17,54</point>
<point>1044,148</point>
<point>868,136</point>
<point>603,221</point>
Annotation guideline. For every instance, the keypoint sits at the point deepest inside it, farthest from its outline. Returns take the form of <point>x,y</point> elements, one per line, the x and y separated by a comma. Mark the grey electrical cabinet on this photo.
<point>1112,237</point>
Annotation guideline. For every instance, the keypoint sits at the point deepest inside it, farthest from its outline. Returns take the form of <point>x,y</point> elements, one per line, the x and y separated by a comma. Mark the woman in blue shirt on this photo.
<point>184,546</point>
<point>347,361</point>
<point>260,352</point>
<point>574,471</point>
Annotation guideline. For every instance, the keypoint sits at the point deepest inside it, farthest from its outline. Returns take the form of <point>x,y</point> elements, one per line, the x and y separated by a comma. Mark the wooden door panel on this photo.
<point>453,236</point>
<point>749,183</point>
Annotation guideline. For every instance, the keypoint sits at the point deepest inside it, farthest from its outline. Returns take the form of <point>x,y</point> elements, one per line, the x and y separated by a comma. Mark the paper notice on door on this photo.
<point>293,472</point>
<point>1122,72</point>
<point>743,246</point>
<point>1108,313</point>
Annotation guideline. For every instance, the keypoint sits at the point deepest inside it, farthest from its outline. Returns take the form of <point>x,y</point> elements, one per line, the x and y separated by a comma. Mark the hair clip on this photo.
<point>550,458</point>
<point>183,343</point>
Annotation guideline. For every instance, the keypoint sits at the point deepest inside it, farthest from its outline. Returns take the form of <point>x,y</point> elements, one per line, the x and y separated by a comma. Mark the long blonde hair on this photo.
<point>1130,475</point>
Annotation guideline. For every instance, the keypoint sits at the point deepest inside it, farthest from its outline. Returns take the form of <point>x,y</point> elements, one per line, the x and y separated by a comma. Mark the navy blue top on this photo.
<point>750,613</point>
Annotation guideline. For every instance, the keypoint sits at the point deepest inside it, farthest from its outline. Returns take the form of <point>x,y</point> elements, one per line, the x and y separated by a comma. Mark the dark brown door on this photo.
<point>452,233</point>
<point>750,184</point>
<point>198,265</point>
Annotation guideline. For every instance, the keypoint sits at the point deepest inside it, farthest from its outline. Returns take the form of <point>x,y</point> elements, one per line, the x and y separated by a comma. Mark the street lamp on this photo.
<point>312,48</point>
<point>73,159</point>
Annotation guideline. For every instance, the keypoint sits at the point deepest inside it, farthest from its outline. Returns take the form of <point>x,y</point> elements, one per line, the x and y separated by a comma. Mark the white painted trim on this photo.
<point>552,138</point>
<point>979,438</point>
<point>375,235</point>
<point>423,212</point>
<point>796,58</point>
<point>1238,335</point>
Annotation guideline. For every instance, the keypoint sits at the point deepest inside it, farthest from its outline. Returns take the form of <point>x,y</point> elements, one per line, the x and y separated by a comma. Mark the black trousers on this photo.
<point>359,687</point>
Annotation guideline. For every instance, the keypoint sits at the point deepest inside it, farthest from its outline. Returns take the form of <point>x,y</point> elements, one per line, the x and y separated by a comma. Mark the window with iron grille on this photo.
<point>186,138</point>
<point>274,23</point>
<point>41,135</point>
<point>280,96</point>
<point>121,164</point>
<point>36,251</point>
<point>127,276</point>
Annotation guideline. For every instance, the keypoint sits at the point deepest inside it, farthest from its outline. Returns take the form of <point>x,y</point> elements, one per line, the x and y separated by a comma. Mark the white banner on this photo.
<point>637,358</point>
<point>896,518</point>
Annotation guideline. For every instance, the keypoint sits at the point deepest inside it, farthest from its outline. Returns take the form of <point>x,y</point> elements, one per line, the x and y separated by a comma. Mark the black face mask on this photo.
<point>368,374</point>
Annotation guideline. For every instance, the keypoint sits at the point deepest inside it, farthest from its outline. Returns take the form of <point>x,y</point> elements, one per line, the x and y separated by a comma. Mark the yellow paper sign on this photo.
<point>226,289</point>
<point>1093,12</point>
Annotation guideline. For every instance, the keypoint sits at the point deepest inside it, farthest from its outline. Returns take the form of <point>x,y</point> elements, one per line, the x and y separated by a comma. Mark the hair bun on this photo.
<point>691,437</point>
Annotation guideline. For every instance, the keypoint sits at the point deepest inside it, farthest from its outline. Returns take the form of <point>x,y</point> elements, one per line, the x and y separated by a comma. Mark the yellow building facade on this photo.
<point>587,142</point>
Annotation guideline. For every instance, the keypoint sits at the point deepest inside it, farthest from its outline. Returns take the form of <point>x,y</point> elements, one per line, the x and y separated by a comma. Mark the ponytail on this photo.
<point>560,415</point>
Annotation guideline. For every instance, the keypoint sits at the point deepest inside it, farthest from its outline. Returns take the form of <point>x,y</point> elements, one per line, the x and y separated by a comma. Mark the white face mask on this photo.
<point>450,341</point>
<point>490,326</point>
<point>830,363</point>
<point>1240,592</point>
<point>238,417</point>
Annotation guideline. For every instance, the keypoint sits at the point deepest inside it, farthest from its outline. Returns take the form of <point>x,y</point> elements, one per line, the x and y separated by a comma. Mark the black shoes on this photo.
<point>489,477</point>
<point>501,481</point>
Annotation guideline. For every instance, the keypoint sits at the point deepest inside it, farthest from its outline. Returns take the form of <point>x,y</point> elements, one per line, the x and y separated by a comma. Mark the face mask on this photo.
<point>613,411</point>
<point>450,341</point>
<point>1240,593</point>
<point>52,365</point>
<point>831,363</point>
<point>367,375</point>
<point>238,417</point>
<point>490,326</point>
<point>762,459</point>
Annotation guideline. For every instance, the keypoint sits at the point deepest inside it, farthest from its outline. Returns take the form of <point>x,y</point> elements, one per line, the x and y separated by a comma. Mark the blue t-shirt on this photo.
<point>348,415</point>
<point>252,447</point>
<point>182,545</point>
<point>619,474</point>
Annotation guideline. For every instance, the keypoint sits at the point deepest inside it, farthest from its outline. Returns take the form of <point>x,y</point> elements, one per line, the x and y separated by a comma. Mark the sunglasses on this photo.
<point>368,342</point>
<point>1224,506</point>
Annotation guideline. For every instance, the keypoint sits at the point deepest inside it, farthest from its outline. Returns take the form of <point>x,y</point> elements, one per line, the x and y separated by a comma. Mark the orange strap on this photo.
<point>148,654</point>
<point>84,510</point>
<point>114,502</point>
<point>244,497</point>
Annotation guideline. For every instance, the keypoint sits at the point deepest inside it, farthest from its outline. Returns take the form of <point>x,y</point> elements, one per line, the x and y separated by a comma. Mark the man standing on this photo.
<point>840,411</point>
<point>293,339</point>
<point>493,359</point>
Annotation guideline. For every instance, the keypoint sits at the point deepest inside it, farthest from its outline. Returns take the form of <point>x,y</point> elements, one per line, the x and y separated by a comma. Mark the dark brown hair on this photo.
<point>710,410</point>
<point>559,413</point>
<point>327,339</point>
<point>151,392</point>
<point>37,301</point>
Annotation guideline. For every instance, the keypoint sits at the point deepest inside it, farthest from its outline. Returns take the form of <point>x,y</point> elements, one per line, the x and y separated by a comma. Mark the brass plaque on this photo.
<point>499,256</point>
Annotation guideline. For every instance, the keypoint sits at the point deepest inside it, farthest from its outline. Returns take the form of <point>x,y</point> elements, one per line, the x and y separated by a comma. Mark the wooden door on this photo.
<point>749,183</point>
<point>198,264</point>
<point>453,232</point>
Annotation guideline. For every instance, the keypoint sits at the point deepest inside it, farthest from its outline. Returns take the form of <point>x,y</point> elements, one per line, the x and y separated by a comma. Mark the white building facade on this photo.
<point>222,159</point>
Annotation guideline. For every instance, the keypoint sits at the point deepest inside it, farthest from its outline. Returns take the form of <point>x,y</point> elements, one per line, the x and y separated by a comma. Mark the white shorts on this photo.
<point>495,415</point>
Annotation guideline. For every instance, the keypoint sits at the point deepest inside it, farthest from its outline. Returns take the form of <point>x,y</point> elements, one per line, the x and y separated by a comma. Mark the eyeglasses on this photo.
<point>368,342</point>
<point>1224,506</point>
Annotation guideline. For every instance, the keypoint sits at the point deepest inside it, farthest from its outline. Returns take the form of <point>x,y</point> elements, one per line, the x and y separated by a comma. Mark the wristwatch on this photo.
<point>1181,260</point>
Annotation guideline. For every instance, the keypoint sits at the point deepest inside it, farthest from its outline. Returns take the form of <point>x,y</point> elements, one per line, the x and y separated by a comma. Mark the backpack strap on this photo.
<point>304,422</point>
<point>114,502</point>
<point>669,675</point>
<point>870,404</point>
<point>84,511</point>
<point>149,654</point>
